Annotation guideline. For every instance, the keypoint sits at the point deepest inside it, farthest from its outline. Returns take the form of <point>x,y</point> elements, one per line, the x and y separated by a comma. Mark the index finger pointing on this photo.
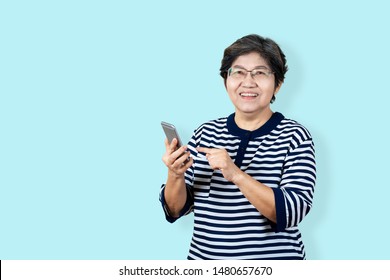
<point>204,150</point>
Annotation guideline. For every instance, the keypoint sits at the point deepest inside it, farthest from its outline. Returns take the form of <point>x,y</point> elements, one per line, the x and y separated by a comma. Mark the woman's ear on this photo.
<point>278,88</point>
<point>275,92</point>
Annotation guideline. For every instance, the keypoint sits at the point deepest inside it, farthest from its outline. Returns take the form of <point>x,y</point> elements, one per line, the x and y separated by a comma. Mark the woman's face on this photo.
<point>251,93</point>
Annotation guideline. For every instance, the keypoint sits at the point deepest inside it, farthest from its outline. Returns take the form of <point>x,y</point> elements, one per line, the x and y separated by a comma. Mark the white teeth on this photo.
<point>248,94</point>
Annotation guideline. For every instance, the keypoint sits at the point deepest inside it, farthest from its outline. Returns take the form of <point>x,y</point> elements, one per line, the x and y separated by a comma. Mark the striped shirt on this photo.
<point>280,154</point>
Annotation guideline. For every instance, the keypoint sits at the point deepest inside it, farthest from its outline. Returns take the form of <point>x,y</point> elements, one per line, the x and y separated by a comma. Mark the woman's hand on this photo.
<point>258,194</point>
<point>219,159</point>
<point>177,160</point>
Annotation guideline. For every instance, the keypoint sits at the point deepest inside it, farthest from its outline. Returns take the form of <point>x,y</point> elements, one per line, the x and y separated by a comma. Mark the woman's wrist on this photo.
<point>175,176</point>
<point>238,176</point>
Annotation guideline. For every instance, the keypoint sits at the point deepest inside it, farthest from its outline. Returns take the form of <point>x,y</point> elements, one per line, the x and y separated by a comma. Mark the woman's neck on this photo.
<point>252,122</point>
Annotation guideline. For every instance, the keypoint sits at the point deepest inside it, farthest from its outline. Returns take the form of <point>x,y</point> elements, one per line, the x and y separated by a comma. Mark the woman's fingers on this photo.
<point>169,149</point>
<point>176,159</point>
<point>217,158</point>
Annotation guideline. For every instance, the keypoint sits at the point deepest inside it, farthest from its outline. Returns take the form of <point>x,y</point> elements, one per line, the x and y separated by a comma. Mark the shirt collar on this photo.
<point>266,128</point>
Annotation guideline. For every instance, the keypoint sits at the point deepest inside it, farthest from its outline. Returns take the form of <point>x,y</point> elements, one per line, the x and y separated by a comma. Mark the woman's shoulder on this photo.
<point>216,124</point>
<point>288,125</point>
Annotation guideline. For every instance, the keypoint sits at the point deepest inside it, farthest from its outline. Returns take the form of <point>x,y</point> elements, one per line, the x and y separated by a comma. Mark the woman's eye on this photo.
<point>258,73</point>
<point>240,72</point>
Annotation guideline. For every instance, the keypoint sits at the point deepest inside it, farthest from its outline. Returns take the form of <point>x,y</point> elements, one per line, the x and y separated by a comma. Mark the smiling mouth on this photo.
<point>247,94</point>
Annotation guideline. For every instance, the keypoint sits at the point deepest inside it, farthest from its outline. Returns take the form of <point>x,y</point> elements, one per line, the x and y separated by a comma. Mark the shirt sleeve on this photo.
<point>294,197</point>
<point>188,206</point>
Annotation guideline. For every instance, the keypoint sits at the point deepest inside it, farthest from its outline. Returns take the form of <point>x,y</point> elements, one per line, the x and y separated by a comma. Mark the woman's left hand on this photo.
<point>219,159</point>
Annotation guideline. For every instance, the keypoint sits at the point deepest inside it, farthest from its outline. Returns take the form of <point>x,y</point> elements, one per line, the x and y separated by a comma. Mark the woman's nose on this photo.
<point>249,81</point>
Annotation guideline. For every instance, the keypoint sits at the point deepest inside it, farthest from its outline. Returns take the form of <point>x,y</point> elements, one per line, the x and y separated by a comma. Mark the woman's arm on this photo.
<point>286,205</point>
<point>175,191</point>
<point>259,195</point>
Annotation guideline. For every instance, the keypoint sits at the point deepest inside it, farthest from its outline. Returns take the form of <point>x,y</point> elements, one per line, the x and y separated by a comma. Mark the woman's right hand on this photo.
<point>176,159</point>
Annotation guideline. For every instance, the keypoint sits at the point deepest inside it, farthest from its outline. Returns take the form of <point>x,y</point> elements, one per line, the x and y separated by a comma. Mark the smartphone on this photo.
<point>171,132</point>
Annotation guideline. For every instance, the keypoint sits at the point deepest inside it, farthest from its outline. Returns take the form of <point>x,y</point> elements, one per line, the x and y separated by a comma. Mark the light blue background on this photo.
<point>85,84</point>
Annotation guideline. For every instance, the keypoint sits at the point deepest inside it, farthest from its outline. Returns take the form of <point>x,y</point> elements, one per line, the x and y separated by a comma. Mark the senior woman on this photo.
<point>251,175</point>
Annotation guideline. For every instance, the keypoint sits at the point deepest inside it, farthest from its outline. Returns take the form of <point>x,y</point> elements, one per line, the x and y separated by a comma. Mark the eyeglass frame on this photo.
<point>267,73</point>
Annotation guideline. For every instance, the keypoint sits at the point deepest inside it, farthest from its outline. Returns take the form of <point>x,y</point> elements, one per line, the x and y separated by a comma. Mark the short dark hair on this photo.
<point>265,47</point>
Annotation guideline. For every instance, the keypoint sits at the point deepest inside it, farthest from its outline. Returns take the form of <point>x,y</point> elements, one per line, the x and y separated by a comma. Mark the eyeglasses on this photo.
<point>258,74</point>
